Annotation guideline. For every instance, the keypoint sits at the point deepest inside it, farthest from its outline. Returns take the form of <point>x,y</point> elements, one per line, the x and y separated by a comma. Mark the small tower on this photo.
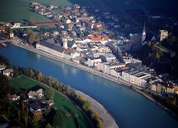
<point>11,35</point>
<point>144,33</point>
<point>65,43</point>
<point>163,34</point>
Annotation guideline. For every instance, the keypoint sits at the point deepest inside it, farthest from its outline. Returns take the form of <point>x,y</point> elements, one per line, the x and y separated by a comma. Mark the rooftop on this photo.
<point>51,43</point>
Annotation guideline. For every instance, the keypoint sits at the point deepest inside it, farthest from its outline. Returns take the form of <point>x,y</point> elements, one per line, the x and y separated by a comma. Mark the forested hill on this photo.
<point>161,56</point>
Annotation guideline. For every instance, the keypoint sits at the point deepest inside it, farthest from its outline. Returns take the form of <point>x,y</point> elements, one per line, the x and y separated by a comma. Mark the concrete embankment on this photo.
<point>108,120</point>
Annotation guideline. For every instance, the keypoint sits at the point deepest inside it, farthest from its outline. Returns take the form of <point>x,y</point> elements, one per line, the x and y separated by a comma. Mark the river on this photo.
<point>129,108</point>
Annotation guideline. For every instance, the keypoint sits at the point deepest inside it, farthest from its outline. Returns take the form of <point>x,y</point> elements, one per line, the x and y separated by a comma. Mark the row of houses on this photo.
<point>33,102</point>
<point>120,70</point>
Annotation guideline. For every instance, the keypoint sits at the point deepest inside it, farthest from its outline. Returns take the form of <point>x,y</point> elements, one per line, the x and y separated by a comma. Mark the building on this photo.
<point>109,68</point>
<point>109,57</point>
<point>52,48</point>
<point>11,35</point>
<point>13,97</point>
<point>76,60</point>
<point>103,49</point>
<point>163,34</point>
<point>97,38</point>
<point>132,79</point>
<point>65,43</point>
<point>144,33</point>
<point>8,72</point>
<point>36,94</point>
<point>93,62</point>
<point>2,67</point>
<point>131,60</point>
<point>75,55</point>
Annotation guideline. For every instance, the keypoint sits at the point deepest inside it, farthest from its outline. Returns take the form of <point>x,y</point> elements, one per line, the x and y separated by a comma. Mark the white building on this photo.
<point>108,68</point>
<point>52,49</point>
<point>76,60</point>
<point>36,94</point>
<point>8,72</point>
<point>104,49</point>
<point>75,55</point>
<point>65,43</point>
<point>93,62</point>
<point>16,25</point>
<point>11,35</point>
<point>55,33</point>
<point>131,60</point>
<point>163,34</point>
<point>110,57</point>
<point>2,67</point>
<point>133,79</point>
<point>13,97</point>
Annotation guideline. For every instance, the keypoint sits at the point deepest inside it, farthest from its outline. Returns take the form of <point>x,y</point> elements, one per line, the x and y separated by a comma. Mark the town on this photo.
<point>76,36</point>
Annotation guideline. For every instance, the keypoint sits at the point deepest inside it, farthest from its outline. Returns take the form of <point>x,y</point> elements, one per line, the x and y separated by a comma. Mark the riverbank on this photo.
<point>108,120</point>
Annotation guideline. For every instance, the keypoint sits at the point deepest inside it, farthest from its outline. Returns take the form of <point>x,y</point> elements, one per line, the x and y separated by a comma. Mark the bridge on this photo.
<point>23,27</point>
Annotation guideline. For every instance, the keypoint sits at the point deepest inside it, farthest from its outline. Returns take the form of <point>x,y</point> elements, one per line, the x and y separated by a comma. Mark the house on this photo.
<point>76,60</point>
<point>133,79</point>
<point>93,62</point>
<point>2,67</point>
<point>75,55</point>
<point>97,38</point>
<point>13,97</point>
<point>109,57</point>
<point>109,68</point>
<point>8,72</point>
<point>131,60</point>
<point>36,94</point>
<point>104,49</point>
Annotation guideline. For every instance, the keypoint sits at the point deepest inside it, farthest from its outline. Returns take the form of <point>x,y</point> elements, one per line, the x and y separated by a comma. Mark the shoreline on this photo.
<point>108,120</point>
<point>94,72</point>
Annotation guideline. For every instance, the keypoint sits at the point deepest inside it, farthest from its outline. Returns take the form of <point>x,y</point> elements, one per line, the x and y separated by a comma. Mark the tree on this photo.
<point>32,37</point>
<point>50,93</point>
<point>49,126</point>
<point>31,73</point>
<point>86,105</point>
<point>5,89</point>
<point>39,76</point>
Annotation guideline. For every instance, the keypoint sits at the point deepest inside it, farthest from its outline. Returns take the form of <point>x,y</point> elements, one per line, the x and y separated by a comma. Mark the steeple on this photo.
<point>144,33</point>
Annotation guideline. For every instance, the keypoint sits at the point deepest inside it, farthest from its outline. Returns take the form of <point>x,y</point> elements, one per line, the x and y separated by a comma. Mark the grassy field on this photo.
<point>18,10</point>
<point>23,83</point>
<point>68,115</point>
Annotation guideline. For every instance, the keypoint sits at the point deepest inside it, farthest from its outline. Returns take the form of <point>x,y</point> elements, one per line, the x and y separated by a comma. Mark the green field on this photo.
<point>22,83</point>
<point>68,115</point>
<point>18,10</point>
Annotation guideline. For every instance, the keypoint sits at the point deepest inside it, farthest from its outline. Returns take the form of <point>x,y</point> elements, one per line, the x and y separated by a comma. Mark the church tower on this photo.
<point>144,33</point>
